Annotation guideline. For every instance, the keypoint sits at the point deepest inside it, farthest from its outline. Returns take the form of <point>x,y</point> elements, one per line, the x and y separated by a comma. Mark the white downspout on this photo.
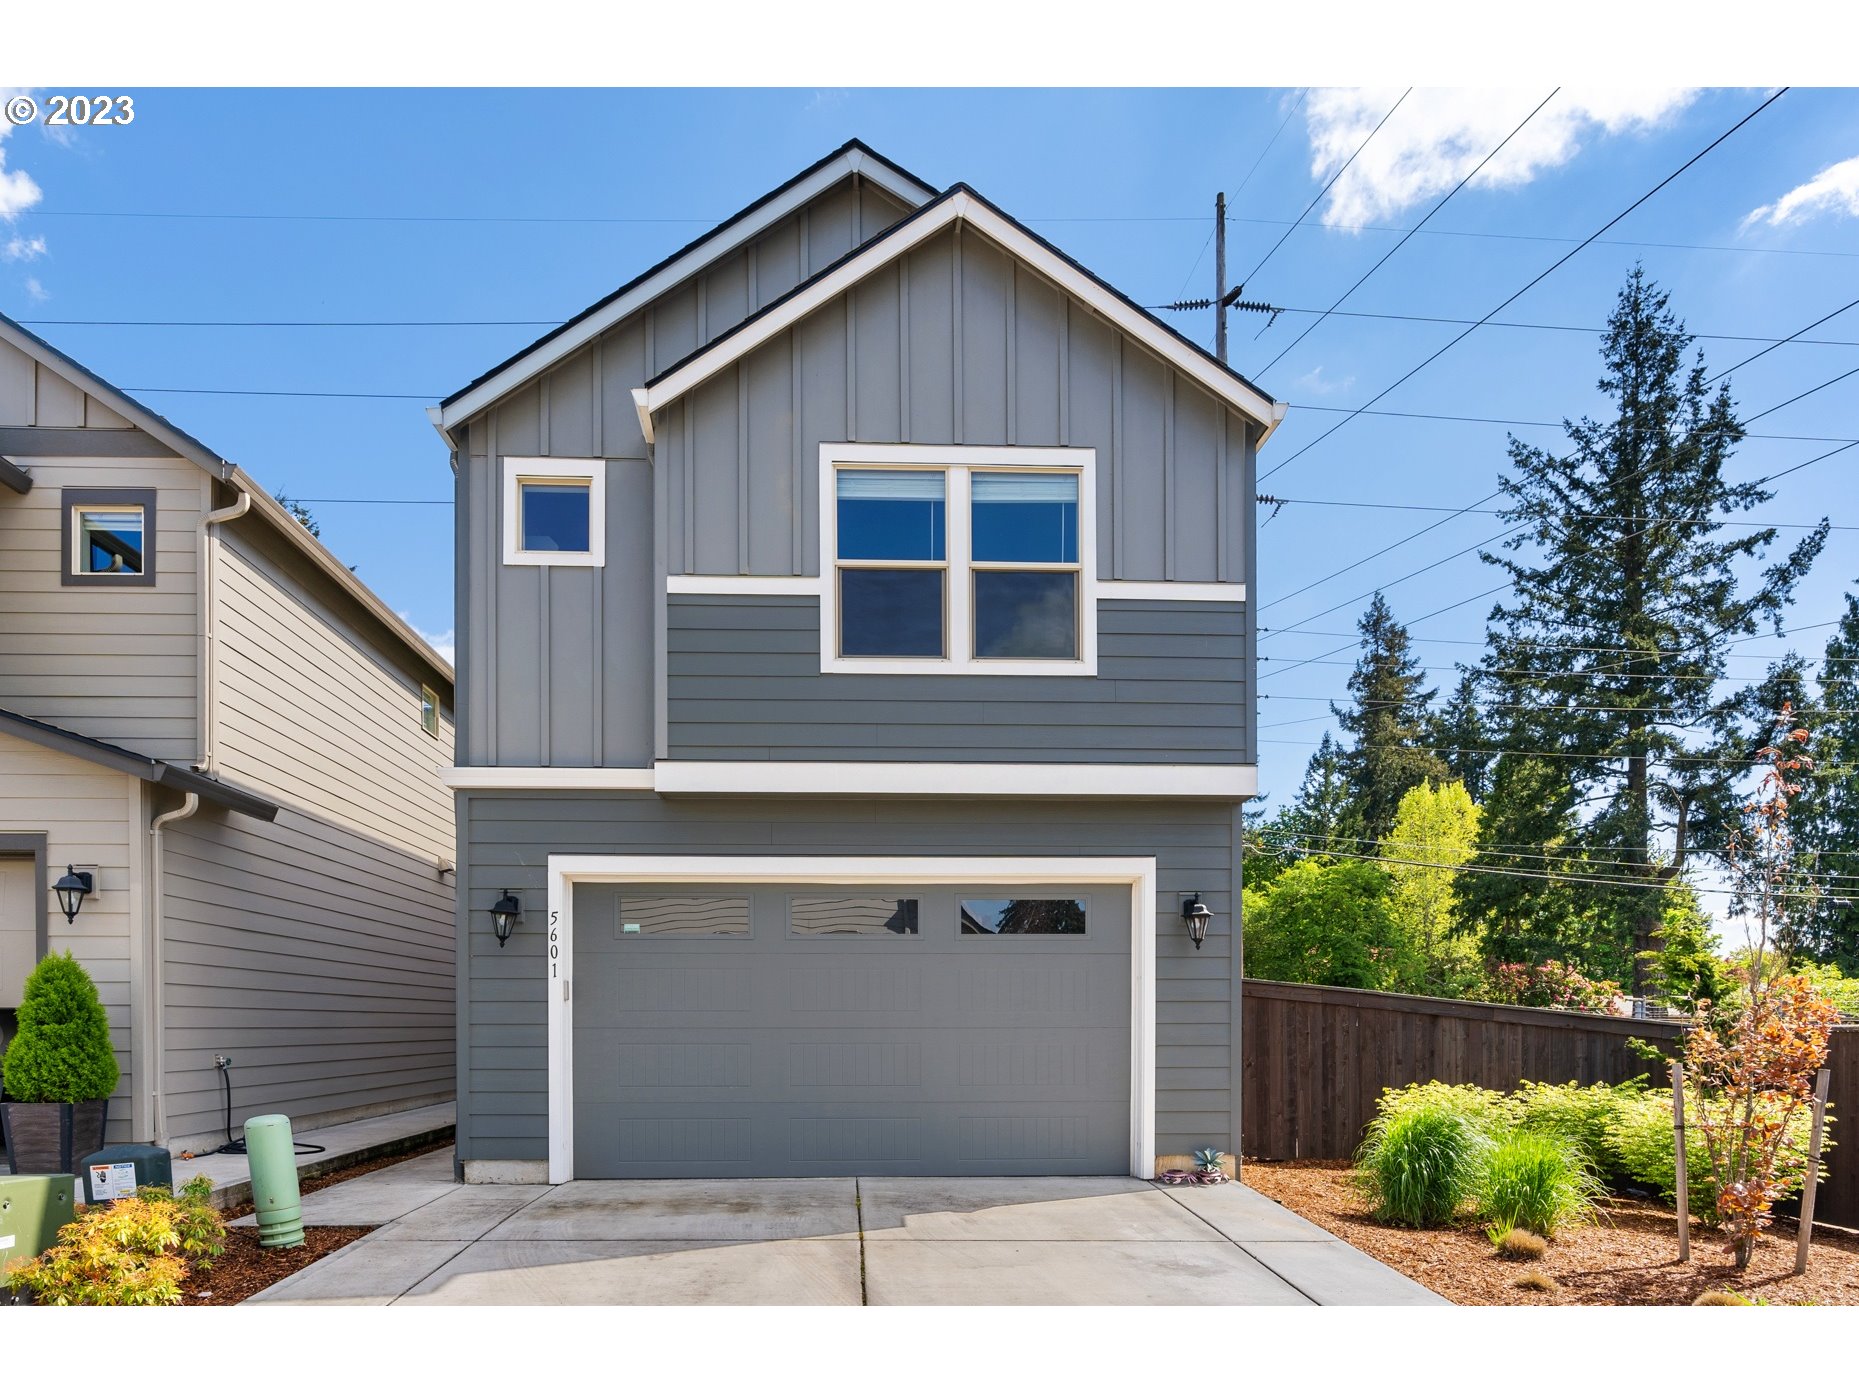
<point>157,997</point>
<point>209,686</point>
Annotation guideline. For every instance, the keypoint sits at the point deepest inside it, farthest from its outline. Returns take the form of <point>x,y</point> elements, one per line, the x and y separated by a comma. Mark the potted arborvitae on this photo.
<point>59,1071</point>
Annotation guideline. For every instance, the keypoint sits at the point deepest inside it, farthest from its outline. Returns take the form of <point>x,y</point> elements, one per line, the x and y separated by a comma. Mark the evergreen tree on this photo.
<point>1828,818</point>
<point>1461,739</point>
<point>1391,721</point>
<point>1324,814</point>
<point>1627,596</point>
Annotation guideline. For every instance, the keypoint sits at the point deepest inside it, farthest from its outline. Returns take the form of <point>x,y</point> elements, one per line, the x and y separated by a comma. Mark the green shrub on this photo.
<point>134,1252</point>
<point>1577,1113</point>
<point>1639,1139</point>
<point>1485,1109</point>
<point>1420,1166</point>
<point>61,1054</point>
<point>1538,1182</point>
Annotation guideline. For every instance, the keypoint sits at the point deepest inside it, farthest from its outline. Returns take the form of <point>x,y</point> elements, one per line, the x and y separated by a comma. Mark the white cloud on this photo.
<point>18,192</point>
<point>22,249</point>
<point>1439,134</point>
<point>444,644</point>
<point>1834,190</point>
<point>1315,381</point>
<point>37,291</point>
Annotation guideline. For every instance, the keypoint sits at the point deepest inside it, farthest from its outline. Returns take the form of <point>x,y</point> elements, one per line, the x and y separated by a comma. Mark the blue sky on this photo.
<point>1123,180</point>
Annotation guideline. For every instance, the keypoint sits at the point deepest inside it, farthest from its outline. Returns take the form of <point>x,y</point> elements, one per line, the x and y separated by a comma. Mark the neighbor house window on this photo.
<point>108,537</point>
<point>429,711</point>
<point>957,560</point>
<point>554,512</point>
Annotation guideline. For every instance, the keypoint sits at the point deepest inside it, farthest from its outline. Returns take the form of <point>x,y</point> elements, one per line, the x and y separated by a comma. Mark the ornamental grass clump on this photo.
<point>1538,1182</point>
<point>1517,1244</point>
<point>1421,1166</point>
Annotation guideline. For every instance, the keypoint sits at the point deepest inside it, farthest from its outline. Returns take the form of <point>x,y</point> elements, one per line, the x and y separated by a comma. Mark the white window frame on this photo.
<point>957,461</point>
<point>519,470</point>
<point>438,713</point>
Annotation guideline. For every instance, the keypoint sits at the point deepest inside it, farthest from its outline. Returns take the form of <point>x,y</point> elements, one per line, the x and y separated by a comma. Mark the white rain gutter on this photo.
<point>209,651</point>
<point>156,999</point>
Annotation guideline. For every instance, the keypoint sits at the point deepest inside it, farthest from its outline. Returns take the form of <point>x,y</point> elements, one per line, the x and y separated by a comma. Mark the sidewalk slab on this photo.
<point>612,1272</point>
<point>1070,1273</point>
<point>371,1272</point>
<point>699,1210</point>
<point>344,1144</point>
<point>1113,1208</point>
<point>1335,1274</point>
<point>1243,1215</point>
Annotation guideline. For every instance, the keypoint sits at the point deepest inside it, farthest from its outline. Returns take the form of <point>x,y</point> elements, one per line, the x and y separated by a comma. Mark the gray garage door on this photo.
<point>758,1031</point>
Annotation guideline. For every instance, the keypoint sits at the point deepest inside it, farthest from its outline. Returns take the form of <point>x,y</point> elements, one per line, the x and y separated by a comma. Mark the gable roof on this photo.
<point>141,766</point>
<point>959,204</point>
<point>188,448</point>
<point>854,157</point>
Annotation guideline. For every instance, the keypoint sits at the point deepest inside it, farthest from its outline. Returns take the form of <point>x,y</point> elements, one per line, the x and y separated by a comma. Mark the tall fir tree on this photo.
<point>1390,718</point>
<point>1461,738</point>
<point>1628,590</point>
<point>1828,821</point>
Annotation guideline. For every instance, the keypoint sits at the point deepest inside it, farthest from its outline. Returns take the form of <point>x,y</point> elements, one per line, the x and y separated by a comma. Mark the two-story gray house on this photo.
<point>210,717</point>
<point>857,697</point>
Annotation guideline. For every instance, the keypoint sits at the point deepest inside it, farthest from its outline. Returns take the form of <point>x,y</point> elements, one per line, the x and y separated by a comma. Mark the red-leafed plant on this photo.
<point>1551,984</point>
<point>1750,1074</point>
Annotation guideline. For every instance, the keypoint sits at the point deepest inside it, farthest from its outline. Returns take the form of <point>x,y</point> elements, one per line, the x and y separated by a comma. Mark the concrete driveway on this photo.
<point>850,1241</point>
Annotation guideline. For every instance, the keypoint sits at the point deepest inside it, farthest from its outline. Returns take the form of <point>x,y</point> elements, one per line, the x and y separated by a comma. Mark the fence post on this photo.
<point>1678,1154</point>
<point>1805,1238</point>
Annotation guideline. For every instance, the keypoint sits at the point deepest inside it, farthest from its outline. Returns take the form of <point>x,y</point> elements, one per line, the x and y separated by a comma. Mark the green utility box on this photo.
<point>116,1172</point>
<point>32,1211</point>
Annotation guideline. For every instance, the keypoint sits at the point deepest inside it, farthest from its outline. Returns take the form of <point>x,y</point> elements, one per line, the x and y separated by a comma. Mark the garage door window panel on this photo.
<point>684,917</point>
<point>1005,916</point>
<point>872,917</point>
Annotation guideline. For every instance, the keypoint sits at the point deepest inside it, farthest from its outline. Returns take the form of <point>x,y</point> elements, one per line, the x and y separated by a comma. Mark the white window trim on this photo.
<point>875,779</point>
<point>557,469</point>
<point>565,872</point>
<point>958,637</point>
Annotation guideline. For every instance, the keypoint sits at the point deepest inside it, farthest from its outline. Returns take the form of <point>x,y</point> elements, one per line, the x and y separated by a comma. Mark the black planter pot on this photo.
<point>50,1139</point>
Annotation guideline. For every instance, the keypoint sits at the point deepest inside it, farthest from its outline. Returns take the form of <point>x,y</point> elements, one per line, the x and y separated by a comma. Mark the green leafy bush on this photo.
<point>1639,1139</point>
<point>62,1053</point>
<point>134,1252</point>
<point>1486,1109</point>
<point>1538,1182</point>
<point>1576,1112</point>
<point>1420,1166</point>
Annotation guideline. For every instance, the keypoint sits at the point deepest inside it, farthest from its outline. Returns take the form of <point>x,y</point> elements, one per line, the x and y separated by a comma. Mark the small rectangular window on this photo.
<point>851,914</point>
<point>684,916</point>
<point>429,711</point>
<point>554,512</point>
<point>1023,917</point>
<point>109,537</point>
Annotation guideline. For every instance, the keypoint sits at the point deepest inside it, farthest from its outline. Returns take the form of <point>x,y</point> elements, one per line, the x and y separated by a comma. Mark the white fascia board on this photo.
<point>1207,592</point>
<point>877,779</point>
<point>961,206</point>
<point>720,245</point>
<point>1278,416</point>
<point>544,777</point>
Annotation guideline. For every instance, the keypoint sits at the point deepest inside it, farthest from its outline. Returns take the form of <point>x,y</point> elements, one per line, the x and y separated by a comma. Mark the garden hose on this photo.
<point>235,1147</point>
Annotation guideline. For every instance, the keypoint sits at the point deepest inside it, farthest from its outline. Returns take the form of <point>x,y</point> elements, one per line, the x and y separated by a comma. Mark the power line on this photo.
<point>1302,92</point>
<point>1499,420</point>
<point>1799,395</point>
<point>1535,281</point>
<point>1498,512</point>
<point>1383,259</point>
<point>1326,188</point>
<point>262,392</point>
<point>1532,324</point>
<point>295,323</point>
<point>1779,342</point>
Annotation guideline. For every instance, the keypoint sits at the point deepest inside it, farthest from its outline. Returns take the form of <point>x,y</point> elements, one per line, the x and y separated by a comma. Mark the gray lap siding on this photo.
<point>506,840</point>
<point>744,683</point>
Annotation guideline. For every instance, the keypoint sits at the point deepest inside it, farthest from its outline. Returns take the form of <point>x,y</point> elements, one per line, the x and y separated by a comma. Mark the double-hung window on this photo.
<point>957,560</point>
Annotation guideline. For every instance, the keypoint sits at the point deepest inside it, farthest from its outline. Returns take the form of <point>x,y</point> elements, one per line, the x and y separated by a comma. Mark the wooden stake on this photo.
<point>1806,1236</point>
<point>1678,1145</point>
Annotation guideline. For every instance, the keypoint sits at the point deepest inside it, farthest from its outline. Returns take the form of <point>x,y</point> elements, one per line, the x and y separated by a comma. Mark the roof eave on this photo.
<point>143,767</point>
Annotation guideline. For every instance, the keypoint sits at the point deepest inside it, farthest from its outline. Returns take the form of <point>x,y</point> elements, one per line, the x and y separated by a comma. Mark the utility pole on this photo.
<point>1220,277</point>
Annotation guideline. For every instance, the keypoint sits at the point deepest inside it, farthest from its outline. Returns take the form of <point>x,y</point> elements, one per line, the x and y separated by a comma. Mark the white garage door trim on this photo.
<point>565,872</point>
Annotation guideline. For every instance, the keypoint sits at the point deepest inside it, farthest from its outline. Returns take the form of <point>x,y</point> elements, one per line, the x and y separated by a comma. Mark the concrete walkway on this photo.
<point>872,1241</point>
<point>343,1145</point>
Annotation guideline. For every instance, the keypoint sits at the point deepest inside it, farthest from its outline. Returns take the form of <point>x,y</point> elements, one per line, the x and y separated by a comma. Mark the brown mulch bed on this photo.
<point>1628,1258</point>
<point>245,1268</point>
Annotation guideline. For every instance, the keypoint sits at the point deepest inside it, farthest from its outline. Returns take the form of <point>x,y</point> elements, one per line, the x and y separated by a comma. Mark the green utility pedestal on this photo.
<point>272,1153</point>
<point>32,1211</point>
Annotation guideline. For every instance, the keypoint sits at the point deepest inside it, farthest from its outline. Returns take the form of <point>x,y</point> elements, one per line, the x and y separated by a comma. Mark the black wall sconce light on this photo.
<point>71,888</point>
<point>1195,915</point>
<point>504,915</point>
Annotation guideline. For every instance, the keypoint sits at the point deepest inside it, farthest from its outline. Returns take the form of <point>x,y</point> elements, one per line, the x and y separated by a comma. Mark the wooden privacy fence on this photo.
<point>1317,1059</point>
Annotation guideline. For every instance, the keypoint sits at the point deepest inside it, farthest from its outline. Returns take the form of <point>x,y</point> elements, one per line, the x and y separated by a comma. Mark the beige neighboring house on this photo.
<point>205,710</point>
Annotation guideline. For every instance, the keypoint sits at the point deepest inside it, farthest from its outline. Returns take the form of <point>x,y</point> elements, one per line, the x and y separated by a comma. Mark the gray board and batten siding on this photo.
<point>954,343</point>
<point>516,707</point>
<point>507,839</point>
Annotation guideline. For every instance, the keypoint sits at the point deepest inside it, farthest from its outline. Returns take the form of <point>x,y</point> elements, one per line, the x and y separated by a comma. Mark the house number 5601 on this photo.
<point>555,943</point>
